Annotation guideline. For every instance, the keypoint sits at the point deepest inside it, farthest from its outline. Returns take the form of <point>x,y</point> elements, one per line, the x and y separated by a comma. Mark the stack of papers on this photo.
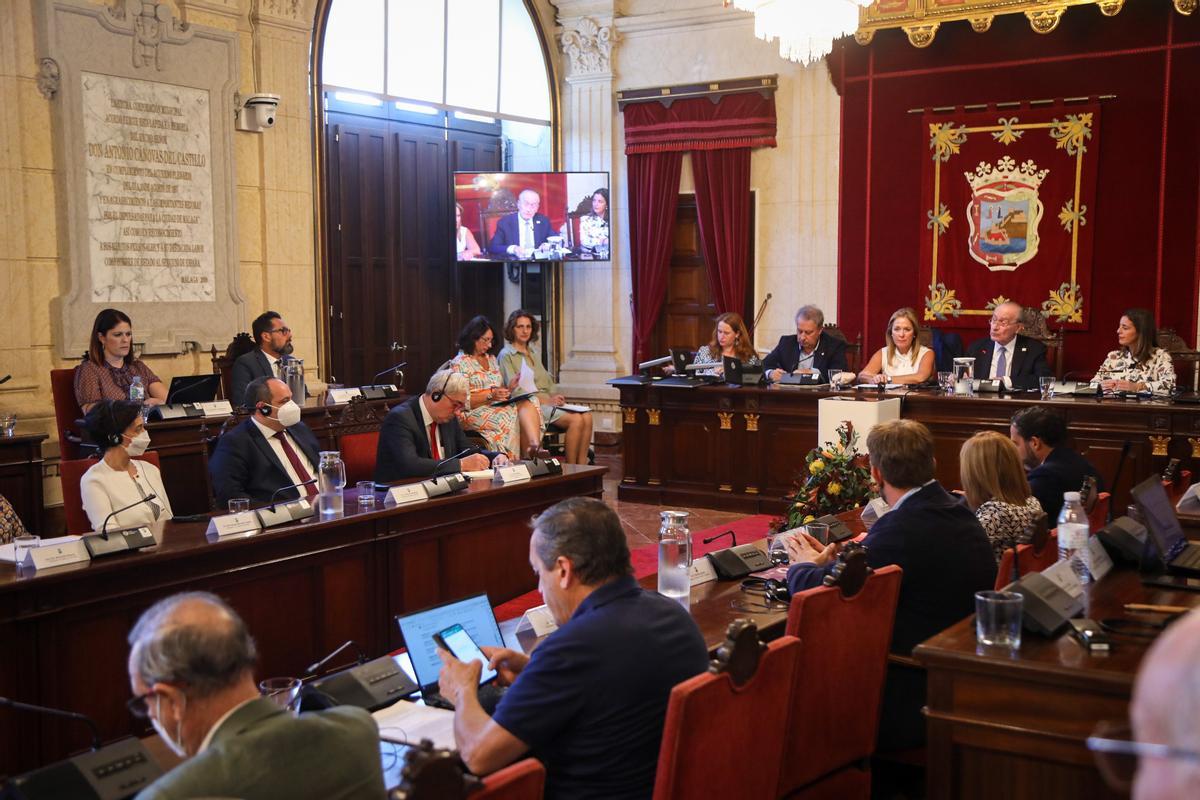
<point>410,722</point>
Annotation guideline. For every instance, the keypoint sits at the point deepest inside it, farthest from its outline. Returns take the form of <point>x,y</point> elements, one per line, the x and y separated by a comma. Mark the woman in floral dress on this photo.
<point>1138,365</point>
<point>510,429</point>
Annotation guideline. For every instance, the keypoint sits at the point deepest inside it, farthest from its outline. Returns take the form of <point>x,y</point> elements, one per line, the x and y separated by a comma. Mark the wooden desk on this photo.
<point>740,448</point>
<point>302,589</point>
<point>1005,726</point>
<point>180,444</point>
<point>21,477</point>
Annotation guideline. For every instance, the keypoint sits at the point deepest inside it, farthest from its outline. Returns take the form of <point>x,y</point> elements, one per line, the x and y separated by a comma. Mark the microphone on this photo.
<point>285,488</point>
<point>57,712</point>
<point>362,658</point>
<point>654,362</point>
<point>469,451</point>
<point>1112,487</point>
<point>104,527</point>
<point>732,536</point>
<point>389,369</point>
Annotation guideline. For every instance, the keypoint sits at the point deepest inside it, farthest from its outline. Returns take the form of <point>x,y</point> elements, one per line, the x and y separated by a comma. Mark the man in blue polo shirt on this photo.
<point>590,702</point>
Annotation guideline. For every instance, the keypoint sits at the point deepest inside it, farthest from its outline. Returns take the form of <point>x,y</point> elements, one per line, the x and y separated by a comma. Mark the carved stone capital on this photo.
<point>152,22</point>
<point>48,78</point>
<point>588,45</point>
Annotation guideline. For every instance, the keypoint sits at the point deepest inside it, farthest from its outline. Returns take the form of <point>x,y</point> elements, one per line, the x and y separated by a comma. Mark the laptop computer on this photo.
<point>740,374</point>
<point>680,358</point>
<point>1175,553</point>
<point>194,388</point>
<point>472,613</point>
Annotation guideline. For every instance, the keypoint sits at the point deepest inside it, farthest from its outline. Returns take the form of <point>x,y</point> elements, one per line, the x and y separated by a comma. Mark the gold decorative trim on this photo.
<point>751,490</point>
<point>628,479</point>
<point>1186,7</point>
<point>1110,8</point>
<point>726,418</point>
<point>629,415</point>
<point>1158,445</point>
<point>921,35</point>
<point>1195,443</point>
<point>751,422</point>
<point>981,24</point>
<point>1044,21</point>
<point>655,414</point>
<point>725,487</point>
<point>654,482</point>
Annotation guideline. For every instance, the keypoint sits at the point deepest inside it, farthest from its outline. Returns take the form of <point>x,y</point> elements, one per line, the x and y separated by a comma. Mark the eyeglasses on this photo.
<point>1117,754</point>
<point>139,706</point>
<point>284,331</point>
<point>1002,323</point>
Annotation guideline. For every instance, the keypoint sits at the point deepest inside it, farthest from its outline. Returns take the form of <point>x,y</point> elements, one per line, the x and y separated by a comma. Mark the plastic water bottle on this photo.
<point>1073,536</point>
<point>674,556</point>
<point>137,392</point>
<point>331,481</point>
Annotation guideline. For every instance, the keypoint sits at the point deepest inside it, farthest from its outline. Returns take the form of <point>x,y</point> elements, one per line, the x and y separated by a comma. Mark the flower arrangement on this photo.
<point>834,479</point>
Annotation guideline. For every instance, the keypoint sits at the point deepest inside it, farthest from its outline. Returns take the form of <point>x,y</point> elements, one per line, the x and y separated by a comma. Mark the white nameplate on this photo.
<point>540,620</point>
<point>217,408</point>
<point>1101,563</point>
<point>56,555</point>
<point>701,571</point>
<point>1063,575</point>
<point>513,473</point>
<point>403,495</point>
<point>1190,502</point>
<point>344,395</point>
<point>232,524</point>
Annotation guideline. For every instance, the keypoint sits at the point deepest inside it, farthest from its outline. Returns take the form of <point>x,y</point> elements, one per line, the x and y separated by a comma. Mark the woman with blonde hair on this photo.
<point>904,359</point>
<point>730,338</point>
<point>993,478</point>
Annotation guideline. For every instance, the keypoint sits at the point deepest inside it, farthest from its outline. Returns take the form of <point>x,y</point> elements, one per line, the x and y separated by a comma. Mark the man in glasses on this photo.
<point>273,340</point>
<point>191,668</point>
<point>1008,356</point>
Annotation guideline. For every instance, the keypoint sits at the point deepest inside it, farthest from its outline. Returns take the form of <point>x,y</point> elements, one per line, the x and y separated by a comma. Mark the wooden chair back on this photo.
<point>1186,359</point>
<point>1035,326</point>
<point>70,474</point>
<point>853,348</point>
<point>222,363</point>
<point>431,773</point>
<point>846,630</point>
<point>733,710</point>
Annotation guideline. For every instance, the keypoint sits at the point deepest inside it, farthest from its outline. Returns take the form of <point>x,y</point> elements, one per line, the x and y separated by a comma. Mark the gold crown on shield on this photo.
<point>1006,171</point>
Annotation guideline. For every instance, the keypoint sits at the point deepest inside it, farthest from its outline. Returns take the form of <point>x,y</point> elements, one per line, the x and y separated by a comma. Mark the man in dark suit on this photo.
<point>1054,468</point>
<point>420,432</point>
<point>191,669</point>
<point>270,450</point>
<point>1007,355</point>
<point>274,344</point>
<point>520,234</point>
<point>811,350</point>
<point>934,538</point>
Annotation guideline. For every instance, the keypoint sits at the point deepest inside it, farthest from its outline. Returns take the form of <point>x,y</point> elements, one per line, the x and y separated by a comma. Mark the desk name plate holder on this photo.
<point>56,555</point>
<point>216,408</point>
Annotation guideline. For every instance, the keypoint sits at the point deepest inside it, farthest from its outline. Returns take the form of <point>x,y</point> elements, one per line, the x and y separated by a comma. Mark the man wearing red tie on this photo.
<point>271,450</point>
<point>1008,356</point>
<point>421,436</point>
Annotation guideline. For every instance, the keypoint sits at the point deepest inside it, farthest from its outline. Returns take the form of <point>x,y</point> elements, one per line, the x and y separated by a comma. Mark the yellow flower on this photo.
<point>809,519</point>
<point>834,488</point>
<point>816,466</point>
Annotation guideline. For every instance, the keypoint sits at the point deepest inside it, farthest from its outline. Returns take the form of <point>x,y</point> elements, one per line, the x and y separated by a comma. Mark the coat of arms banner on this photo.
<point>1007,195</point>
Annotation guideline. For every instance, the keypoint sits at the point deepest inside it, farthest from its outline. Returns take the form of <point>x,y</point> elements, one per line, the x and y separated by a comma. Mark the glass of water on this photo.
<point>366,495</point>
<point>1046,384</point>
<point>282,691</point>
<point>22,545</point>
<point>946,382</point>
<point>238,505</point>
<point>998,619</point>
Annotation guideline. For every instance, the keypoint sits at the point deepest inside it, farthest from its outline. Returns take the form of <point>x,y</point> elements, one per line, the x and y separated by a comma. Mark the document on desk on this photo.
<point>8,555</point>
<point>411,722</point>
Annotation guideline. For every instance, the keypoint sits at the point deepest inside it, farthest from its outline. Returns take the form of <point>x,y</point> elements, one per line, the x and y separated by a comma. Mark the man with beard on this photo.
<point>274,340</point>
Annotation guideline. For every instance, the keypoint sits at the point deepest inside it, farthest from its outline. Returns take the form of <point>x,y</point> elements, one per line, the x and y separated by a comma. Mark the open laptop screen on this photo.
<point>473,613</point>
<point>1151,499</point>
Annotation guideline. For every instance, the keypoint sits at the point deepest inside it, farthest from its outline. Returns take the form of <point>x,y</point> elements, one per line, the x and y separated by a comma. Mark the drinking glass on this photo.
<point>1046,384</point>
<point>239,505</point>
<point>281,691</point>
<point>946,382</point>
<point>777,548</point>
<point>819,531</point>
<point>998,619</point>
<point>366,495</point>
<point>22,545</point>
<point>8,424</point>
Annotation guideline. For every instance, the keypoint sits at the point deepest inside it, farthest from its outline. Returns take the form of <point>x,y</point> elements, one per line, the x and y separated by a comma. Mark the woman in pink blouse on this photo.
<point>110,366</point>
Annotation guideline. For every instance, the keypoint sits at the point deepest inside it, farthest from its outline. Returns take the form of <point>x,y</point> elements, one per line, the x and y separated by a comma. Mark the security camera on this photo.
<point>257,113</point>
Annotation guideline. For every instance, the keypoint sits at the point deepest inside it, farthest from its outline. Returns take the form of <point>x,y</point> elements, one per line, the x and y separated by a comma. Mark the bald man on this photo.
<point>1008,356</point>
<point>521,234</point>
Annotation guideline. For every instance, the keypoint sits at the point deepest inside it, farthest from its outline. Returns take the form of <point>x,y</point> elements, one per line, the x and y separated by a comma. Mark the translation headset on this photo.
<point>440,393</point>
<point>114,438</point>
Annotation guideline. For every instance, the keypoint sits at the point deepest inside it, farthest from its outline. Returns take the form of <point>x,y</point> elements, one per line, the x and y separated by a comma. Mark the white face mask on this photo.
<point>138,444</point>
<point>289,414</point>
<point>176,743</point>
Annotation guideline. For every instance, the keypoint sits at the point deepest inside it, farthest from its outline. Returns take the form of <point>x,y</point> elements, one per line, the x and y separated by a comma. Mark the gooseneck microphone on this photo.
<point>104,527</point>
<point>1112,487</point>
<point>389,369</point>
<point>275,494</point>
<point>56,712</point>
<point>361,659</point>
<point>469,451</point>
<point>729,533</point>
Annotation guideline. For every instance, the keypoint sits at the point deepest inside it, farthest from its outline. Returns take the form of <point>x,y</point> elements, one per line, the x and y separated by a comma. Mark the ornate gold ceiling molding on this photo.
<point>920,19</point>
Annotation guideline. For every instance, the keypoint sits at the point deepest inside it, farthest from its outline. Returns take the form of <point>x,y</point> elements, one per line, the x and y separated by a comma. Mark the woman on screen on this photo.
<point>593,227</point>
<point>464,240</point>
<point>510,428</point>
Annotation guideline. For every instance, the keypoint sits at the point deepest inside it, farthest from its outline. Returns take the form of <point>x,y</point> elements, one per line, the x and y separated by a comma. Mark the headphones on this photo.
<point>440,393</point>
<point>114,438</point>
<point>769,588</point>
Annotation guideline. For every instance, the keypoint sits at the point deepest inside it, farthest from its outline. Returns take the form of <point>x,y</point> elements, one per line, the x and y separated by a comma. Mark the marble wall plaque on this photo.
<point>148,162</point>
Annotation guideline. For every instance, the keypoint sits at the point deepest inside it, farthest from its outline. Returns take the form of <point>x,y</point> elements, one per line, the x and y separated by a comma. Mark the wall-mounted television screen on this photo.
<point>531,216</point>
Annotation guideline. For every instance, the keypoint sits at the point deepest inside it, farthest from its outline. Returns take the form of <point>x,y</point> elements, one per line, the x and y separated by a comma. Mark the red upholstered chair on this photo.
<point>845,628</point>
<point>358,454</point>
<point>70,473</point>
<point>1177,486</point>
<point>725,729</point>
<point>66,412</point>
<point>430,773</point>
<point>1029,559</point>
<point>524,780</point>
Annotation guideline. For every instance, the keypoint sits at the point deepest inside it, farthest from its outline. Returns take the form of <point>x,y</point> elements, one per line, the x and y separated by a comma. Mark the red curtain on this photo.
<point>653,189</point>
<point>746,119</point>
<point>723,209</point>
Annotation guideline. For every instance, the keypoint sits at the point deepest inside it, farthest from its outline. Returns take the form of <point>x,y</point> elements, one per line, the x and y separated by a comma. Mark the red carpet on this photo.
<point>645,559</point>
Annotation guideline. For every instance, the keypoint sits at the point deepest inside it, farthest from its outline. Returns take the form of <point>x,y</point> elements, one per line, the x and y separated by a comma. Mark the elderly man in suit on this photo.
<point>421,432</point>
<point>273,340</point>
<point>271,450</point>
<point>520,234</point>
<point>1008,356</point>
<point>191,669</point>
<point>934,538</point>
<point>811,350</point>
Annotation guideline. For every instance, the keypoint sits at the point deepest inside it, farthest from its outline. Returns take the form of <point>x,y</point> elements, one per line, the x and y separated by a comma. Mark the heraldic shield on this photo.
<point>1004,213</point>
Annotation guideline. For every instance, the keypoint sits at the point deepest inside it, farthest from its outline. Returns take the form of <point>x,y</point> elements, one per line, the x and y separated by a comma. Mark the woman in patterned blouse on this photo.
<point>110,366</point>
<point>730,338</point>
<point>10,523</point>
<point>989,467</point>
<point>1137,365</point>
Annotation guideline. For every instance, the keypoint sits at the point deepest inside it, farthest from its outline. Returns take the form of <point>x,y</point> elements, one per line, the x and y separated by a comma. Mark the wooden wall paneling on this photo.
<point>21,477</point>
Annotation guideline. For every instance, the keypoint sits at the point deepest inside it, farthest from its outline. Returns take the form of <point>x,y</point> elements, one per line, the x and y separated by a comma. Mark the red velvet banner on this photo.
<point>745,119</point>
<point>1008,194</point>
